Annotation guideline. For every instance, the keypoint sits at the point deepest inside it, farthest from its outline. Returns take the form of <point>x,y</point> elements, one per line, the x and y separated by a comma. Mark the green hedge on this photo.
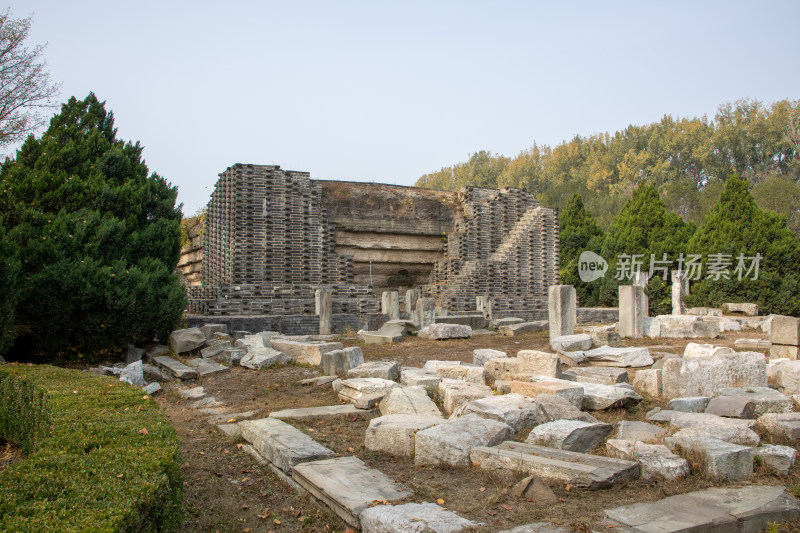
<point>89,465</point>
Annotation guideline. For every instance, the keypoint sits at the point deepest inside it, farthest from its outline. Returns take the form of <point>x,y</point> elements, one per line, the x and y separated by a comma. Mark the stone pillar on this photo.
<point>561,310</point>
<point>641,279</point>
<point>426,311</point>
<point>412,295</point>
<point>390,304</point>
<point>324,299</point>
<point>633,305</point>
<point>483,304</point>
<point>680,288</point>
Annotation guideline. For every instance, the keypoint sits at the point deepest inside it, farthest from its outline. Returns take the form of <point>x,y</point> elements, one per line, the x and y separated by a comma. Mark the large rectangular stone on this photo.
<point>347,486</point>
<point>633,309</point>
<point>705,376</point>
<point>281,444</point>
<point>715,510</point>
<point>326,411</point>
<point>785,330</point>
<point>556,466</point>
<point>178,369</point>
<point>457,394</point>
<point>599,375</point>
<point>561,310</point>
<point>338,362</point>
<point>572,392</point>
<point>719,460</point>
<point>450,443</point>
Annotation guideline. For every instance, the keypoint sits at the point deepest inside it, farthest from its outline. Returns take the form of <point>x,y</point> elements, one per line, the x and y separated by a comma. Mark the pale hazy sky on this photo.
<point>387,91</point>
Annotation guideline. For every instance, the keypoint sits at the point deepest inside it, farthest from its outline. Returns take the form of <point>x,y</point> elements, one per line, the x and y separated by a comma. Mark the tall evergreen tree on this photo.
<point>97,235</point>
<point>644,230</point>
<point>736,227</point>
<point>579,232</point>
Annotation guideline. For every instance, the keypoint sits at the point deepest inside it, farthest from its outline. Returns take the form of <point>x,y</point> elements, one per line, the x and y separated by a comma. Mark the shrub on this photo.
<point>98,237</point>
<point>100,454</point>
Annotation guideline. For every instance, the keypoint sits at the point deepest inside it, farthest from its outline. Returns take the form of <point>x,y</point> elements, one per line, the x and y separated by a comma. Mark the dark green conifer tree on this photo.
<point>96,234</point>
<point>579,232</point>
<point>736,227</point>
<point>645,227</point>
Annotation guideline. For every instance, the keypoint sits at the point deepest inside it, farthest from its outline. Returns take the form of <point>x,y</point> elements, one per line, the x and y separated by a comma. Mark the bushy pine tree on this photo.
<point>737,226</point>
<point>9,271</point>
<point>579,232</point>
<point>645,227</point>
<point>97,235</point>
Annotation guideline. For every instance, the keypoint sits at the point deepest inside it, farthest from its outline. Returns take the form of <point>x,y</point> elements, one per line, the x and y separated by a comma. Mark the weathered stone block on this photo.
<point>450,443</point>
<point>705,376</point>
<point>594,374</point>
<point>619,357</point>
<point>412,518</point>
<point>409,401</point>
<point>785,330</point>
<point>457,394</point>
<point>556,466</point>
<point>445,331</point>
<point>519,412</point>
<point>481,355</point>
<point>394,434</point>
<point>338,362</point>
<point>281,444</point>
<point>648,382</point>
<point>633,305</point>
<point>509,330</point>
<point>750,508</point>
<point>571,343</point>
<point>561,310</point>
<point>186,340</point>
<point>375,369</point>
<point>571,435</point>
<point>347,486</point>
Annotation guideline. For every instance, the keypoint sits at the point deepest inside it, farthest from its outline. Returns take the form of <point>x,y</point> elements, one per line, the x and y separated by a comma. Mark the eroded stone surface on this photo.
<point>461,372</point>
<point>450,443</point>
<point>482,355</point>
<point>657,462</point>
<point>719,460</point>
<point>456,394</point>
<point>572,392</point>
<point>517,411</point>
<point>347,486</point>
<point>176,368</point>
<point>409,401</point>
<point>750,508</point>
<point>412,518</point>
<point>781,425</point>
<point>696,425</point>
<point>326,411</point>
<point>445,331</point>
<point>338,362</point>
<point>765,400</point>
<point>351,389</point>
<point>571,435</point>
<point>556,466</point>
<point>570,343</point>
<point>706,376</point>
<point>779,459</point>
<point>186,340</point>
<point>375,369</point>
<point>394,434</point>
<point>639,431</point>
<point>596,374</point>
<point>281,444</point>
<point>620,357</point>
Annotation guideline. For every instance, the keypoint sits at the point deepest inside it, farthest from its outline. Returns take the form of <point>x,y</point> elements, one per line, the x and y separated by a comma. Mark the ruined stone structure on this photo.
<point>272,237</point>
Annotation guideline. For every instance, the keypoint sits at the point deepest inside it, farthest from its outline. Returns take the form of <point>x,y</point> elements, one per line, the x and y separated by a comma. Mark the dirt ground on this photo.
<point>9,454</point>
<point>226,490</point>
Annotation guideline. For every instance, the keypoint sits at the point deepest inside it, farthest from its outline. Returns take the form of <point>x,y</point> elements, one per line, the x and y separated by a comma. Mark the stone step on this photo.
<point>347,486</point>
<point>749,508</point>
<point>281,444</point>
<point>176,368</point>
<point>326,411</point>
<point>556,466</point>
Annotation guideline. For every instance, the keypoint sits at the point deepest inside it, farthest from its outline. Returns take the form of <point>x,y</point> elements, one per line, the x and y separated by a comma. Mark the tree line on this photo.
<point>686,159</point>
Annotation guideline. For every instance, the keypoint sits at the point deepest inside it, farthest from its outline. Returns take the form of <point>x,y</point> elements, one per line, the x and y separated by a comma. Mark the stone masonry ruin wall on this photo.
<point>272,237</point>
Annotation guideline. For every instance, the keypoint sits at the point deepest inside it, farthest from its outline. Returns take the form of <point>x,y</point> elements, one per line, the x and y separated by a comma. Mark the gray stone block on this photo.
<point>186,340</point>
<point>412,518</point>
<point>570,435</point>
<point>394,434</point>
<point>746,509</point>
<point>281,444</point>
<point>450,443</point>
<point>347,486</point>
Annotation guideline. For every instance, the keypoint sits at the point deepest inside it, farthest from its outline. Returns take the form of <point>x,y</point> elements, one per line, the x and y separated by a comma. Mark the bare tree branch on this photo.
<point>25,85</point>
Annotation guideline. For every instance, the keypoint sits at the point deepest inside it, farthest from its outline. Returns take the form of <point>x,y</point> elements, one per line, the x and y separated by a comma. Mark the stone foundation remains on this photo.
<point>272,237</point>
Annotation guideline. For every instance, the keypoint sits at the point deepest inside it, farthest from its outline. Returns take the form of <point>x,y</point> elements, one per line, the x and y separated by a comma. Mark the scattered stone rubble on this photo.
<point>720,400</point>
